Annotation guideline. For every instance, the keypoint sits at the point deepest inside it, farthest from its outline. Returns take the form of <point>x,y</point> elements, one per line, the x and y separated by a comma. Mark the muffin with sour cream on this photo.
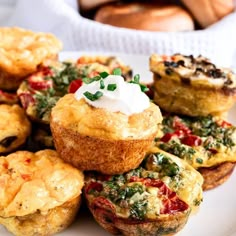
<point>107,125</point>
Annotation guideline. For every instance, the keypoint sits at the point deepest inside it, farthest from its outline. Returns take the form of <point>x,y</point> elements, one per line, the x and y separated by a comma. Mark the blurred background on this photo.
<point>204,27</point>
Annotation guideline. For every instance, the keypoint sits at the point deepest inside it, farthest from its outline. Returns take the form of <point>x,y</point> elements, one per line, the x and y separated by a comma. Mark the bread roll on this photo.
<point>207,12</point>
<point>86,5</point>
<point>146,17</point>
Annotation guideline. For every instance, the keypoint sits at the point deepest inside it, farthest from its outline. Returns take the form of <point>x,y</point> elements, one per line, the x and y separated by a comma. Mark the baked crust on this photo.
<point>43,223</point>
<point>14,127</point>
<point>192,86</point>
<point>103,155</point>
<point>40,194</point>
<point>97,139</point>
<point>21,52</point>
<point>168,225</point>
<point>216,175</point>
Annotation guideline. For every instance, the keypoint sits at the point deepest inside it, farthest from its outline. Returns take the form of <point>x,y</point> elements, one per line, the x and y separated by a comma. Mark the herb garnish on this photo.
<point>117,71</point>
<point>178,149</point>
<point>135,80</point>
<point>199,160</point>
<point>138,210</point>
<point>132,192</point>
<point>210,130</point>
<point>63,77</point>
<point>164,165</point>
<point>44,104</point>
<point>111,87</point>
<point>93,97</point>
<point>103,74</point>
<point>87,80</point>
<point>102,85</point>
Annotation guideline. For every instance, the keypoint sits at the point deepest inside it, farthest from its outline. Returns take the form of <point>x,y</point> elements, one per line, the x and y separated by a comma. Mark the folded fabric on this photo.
<point>62,18</point>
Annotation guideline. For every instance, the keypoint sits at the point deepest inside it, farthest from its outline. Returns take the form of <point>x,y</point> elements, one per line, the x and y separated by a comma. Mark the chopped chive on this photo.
<point>144,88</point>
<point>117,71</point>
<point>98,94</point>
<point>102,85</point>
<point>96,78</point>
<point>136,78</point>
<point>111,87</point>
<point>90,80</point>
<point>86,80</point>
<point>104,74</point>
<point>93,97</point>
<point>199,160</point>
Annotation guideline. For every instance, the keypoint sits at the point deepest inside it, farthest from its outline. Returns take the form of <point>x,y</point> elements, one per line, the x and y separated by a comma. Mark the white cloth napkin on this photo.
<point>61,17</point>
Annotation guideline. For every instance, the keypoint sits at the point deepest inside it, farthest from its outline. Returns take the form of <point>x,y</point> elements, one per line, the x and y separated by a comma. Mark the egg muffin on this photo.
<point>192,86</point>
<point>207,143</point>
<point>154,199</point>
<point>14,127</point>
<point>108,133</point>
<point>110,62</point>
<point>40,91</point>
<point>39,194</point>
<point>21,52</point>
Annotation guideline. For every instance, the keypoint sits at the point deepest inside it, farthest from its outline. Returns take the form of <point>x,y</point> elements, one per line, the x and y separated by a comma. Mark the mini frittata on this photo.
<point>39,193</point>
<point>153,199</point>
<point>22,51</point>
<point>110,62</point>
<point>107,125</point>
<point>192,86</point>
<point>41,90</point>
<point>15,127</point>
<point>204,142</point>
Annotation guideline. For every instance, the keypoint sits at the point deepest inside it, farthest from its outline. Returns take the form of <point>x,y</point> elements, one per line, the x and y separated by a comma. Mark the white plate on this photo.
<point>217,214</point>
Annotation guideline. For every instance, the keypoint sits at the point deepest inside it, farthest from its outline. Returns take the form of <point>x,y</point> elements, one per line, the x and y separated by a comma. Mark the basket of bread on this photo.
<point>157,15</point>
<point>164,27</point>
<point>89,132</point>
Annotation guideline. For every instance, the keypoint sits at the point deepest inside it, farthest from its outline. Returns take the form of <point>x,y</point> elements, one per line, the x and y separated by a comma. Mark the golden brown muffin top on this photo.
<point>22,50</point>
<point>40,181</point>
<point>85,119</point>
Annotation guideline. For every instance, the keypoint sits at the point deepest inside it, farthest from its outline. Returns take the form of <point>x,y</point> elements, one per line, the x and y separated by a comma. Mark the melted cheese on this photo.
<point>221,153</point>
<point>186,183</point>
<point>189,186</point>
<point>224,154</point>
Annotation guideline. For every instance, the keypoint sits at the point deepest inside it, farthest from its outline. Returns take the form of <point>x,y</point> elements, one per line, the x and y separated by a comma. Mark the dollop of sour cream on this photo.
<point>126,98</point>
